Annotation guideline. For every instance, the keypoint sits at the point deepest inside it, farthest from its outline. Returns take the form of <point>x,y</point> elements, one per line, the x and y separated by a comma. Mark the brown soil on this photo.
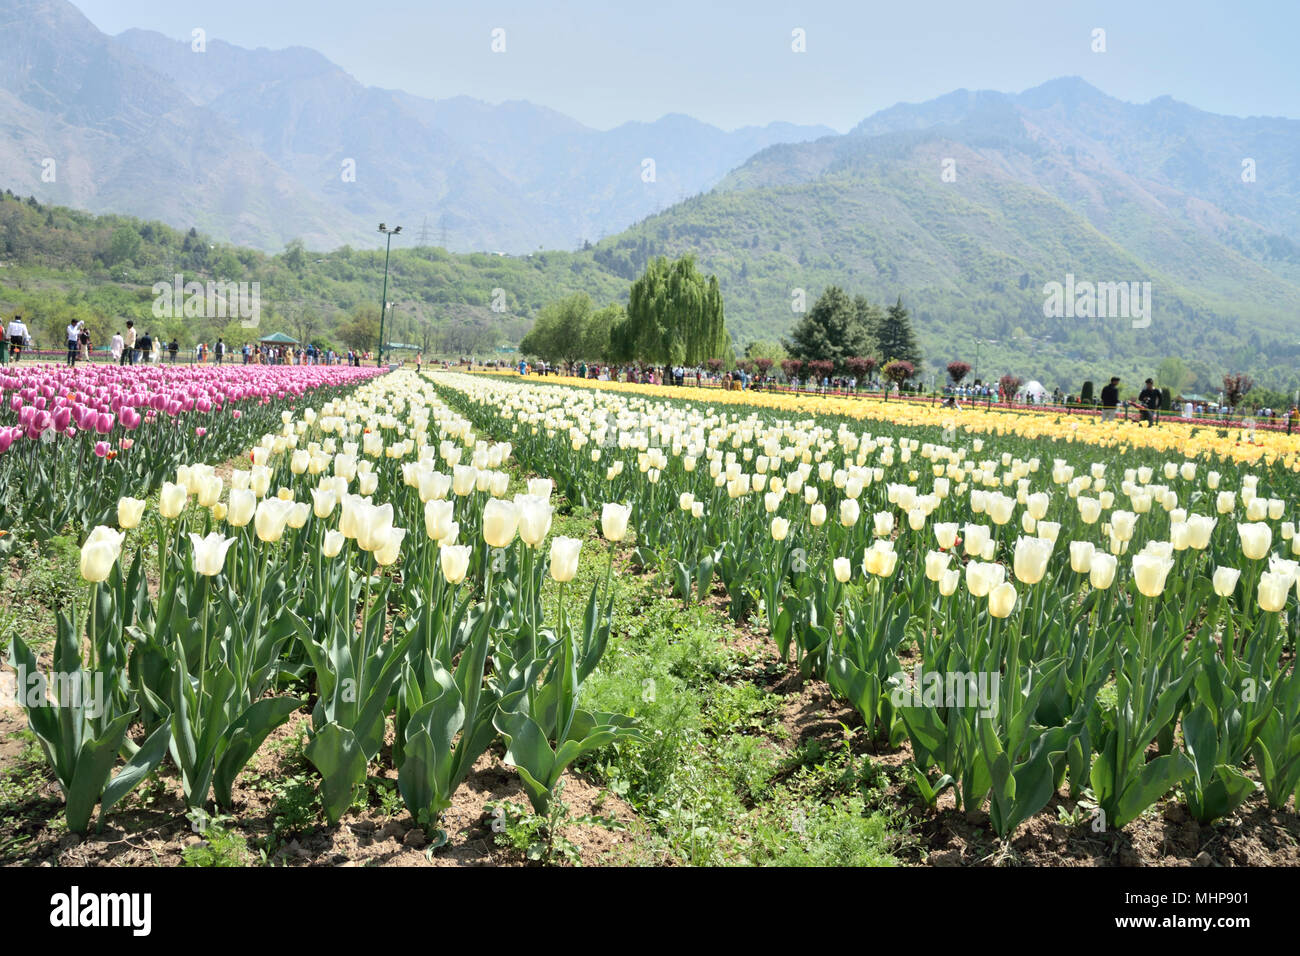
<point>136,834</point>
<point>944,836</point>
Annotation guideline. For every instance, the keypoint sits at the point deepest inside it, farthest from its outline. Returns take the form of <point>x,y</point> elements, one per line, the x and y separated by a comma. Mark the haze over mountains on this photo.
<point>1058,180</point>
<point>258,147</point>
<point>966,205</point>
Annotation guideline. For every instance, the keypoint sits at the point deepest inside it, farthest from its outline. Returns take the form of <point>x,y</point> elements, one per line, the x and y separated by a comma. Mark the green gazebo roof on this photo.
<point>279,338</point>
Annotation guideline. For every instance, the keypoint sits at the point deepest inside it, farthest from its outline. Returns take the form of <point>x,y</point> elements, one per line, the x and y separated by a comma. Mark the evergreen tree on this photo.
<point>870,316</point>
<point>831,330</point>
<point>896,338</point>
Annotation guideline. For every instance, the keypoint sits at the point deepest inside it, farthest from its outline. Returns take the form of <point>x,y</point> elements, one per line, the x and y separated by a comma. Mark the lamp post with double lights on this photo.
<point>383,302</point>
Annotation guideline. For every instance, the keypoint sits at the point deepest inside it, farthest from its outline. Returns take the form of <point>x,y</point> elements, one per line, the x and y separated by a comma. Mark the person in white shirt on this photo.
<point>116,345</point>
<point>128,352</point>
<point>74,333</point>
<point>17,332</point>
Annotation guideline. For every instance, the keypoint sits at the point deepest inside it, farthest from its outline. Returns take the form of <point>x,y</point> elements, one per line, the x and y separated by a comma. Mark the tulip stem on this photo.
<point>90,623</point>
<point>203,649</point>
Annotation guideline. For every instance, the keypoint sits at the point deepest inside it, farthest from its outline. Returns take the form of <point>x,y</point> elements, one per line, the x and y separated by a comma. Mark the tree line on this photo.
<point>674,316</point>
<point>843,334</point>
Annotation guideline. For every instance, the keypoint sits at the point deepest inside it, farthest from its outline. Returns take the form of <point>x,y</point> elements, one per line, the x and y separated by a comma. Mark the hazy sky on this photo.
<point>604,62</point>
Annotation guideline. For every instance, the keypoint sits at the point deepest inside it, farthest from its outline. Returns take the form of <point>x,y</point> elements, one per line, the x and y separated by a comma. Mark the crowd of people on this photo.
<point>128,346</point>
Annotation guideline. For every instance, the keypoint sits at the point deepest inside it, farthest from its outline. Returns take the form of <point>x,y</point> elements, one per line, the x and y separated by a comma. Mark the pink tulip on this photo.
<point>102,448</point>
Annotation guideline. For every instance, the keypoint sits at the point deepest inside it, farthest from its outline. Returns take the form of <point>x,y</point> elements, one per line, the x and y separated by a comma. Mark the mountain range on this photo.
<point>969,206</point>
<point>258,147</point>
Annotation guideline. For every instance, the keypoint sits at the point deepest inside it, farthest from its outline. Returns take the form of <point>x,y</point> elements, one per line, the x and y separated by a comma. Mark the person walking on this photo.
<point>83,342</point>
<point>1150,400</point>
<point>146,348</point>
<point>220,350</point>
<point>1110,399</point>
<point>128,345</point>
<point>17,332</point>
<point>116,345</point>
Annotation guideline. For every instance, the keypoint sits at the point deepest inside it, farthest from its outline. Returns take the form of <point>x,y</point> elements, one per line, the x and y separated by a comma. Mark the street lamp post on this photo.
<point>383,302</point>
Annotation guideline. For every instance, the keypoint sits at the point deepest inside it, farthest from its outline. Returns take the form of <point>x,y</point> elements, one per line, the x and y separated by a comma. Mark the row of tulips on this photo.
<point>74,440</point>
<point>1238,443</point>
<point>1137,613</point>
<point>356,568</point>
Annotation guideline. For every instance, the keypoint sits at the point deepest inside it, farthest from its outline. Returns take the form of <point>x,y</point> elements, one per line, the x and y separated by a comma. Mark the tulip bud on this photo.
<point>1256,539</point>
<point>936,565</point>
<point>500,522</point>
<point>564,558</point>
<point>390,547</point>
<point>849,512</point>
<point>949,581</point>
<point>129,512</point>
<point>1149,573</point>
<point>977,538</point>
<point>454,559</point>
<point>1102,572</point>
<point>299,512</point>
<point>1081,555</point>
<point>332,544</point>
<point>1030,562</point>
<point>172,500</point>
<point>534,518</point>
<point>437,519</point>
<point>614,519</point>
<point>100,553</point>
<point>1002,600</point>
<point>1273,590</point>
<point>1225,581</point>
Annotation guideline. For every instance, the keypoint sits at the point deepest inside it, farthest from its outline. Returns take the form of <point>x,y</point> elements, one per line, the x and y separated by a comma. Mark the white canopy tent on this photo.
<point>1033,391</point>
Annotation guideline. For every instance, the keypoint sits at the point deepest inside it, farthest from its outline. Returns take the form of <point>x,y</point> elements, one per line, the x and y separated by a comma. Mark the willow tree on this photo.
<point>674,316</point>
